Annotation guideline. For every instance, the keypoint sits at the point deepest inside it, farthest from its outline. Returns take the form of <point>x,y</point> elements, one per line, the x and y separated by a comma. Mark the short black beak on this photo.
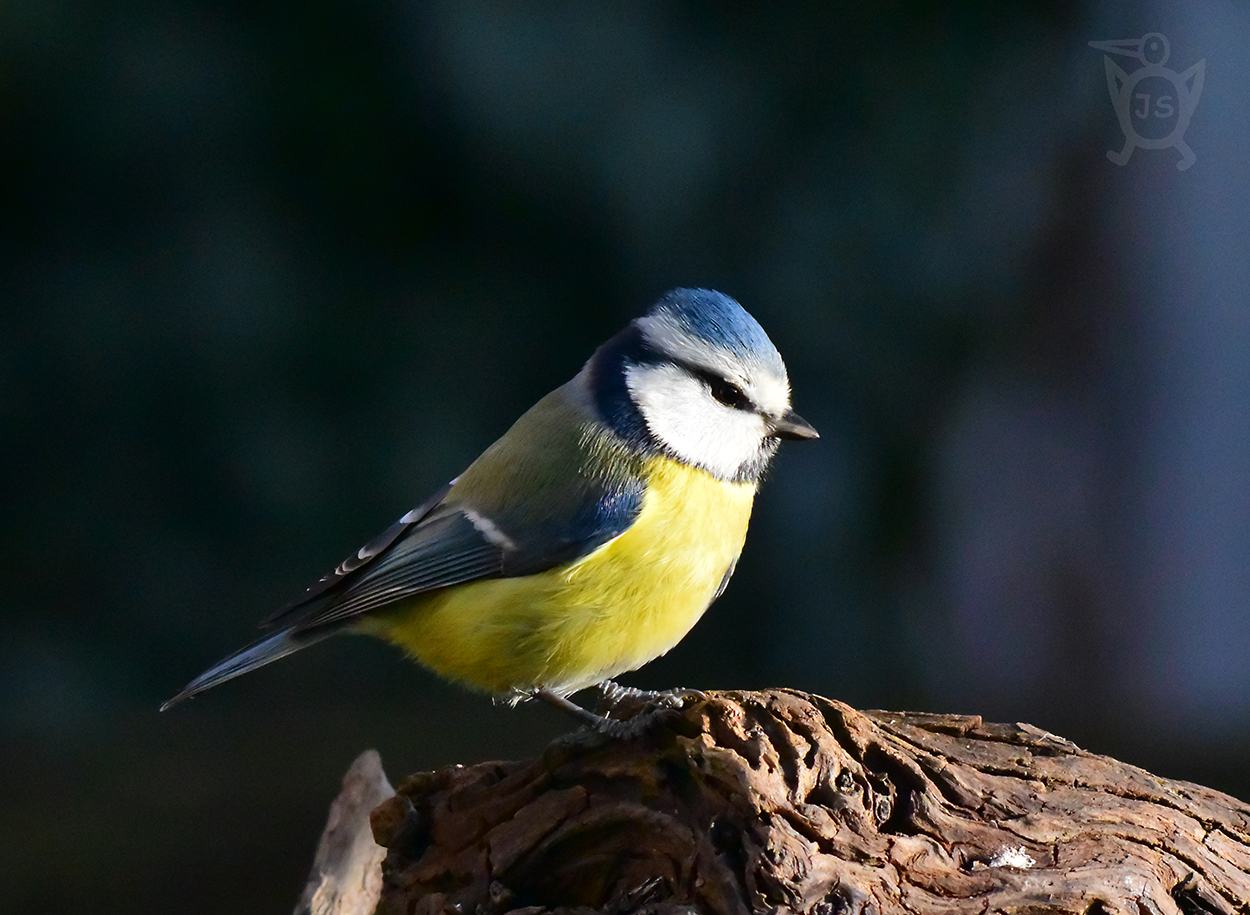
<point>793,426</point>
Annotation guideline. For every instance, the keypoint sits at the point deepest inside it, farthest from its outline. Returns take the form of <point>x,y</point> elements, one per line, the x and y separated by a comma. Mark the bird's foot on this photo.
<point>627,713</point>
<point>613,696</point>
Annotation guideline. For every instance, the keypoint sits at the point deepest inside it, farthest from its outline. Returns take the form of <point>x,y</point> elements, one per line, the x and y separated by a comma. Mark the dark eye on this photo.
<point>728,393</point>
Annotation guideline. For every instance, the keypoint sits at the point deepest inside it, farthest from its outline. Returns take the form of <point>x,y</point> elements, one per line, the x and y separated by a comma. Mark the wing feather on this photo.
<point>558,486</point>
<point>442,551</point>
<point>358,560</point>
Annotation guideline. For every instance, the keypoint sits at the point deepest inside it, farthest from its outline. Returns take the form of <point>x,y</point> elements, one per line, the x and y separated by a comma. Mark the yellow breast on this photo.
<point>611,611</point>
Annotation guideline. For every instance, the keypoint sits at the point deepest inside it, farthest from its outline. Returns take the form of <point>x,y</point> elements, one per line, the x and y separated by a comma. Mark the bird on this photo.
<point>585,542</point>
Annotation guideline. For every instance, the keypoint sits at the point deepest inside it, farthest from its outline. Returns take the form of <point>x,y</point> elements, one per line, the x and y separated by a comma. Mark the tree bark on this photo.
<point>346,875</point>
<point>785,802</point>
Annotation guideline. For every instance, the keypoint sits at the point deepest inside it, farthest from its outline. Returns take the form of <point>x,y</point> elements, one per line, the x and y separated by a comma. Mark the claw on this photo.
<point>612,694</point>
<point>636,725</point>
<point>644,709</point>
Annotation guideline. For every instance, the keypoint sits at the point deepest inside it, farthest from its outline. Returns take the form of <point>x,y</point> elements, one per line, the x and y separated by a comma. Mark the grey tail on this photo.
<point>258,654</point>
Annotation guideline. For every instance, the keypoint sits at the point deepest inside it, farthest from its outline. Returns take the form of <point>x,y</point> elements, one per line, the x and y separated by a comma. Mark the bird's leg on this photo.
<point>568,706</point>
<point>650,711</point>
<point>608,727</point>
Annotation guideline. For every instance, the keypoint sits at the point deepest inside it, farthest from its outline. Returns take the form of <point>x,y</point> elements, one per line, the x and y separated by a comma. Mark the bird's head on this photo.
<point>697,378</point>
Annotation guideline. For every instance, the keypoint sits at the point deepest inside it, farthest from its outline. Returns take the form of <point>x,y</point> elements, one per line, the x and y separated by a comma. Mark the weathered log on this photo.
<point>785,802</point>
<point>346,875</point>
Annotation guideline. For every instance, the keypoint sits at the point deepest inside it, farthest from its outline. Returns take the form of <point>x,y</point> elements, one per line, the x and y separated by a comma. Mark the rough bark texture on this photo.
<point>781,801</point>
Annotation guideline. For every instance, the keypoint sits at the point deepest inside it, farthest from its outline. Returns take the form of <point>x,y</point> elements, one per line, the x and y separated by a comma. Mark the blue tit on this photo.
<point>591,537</point>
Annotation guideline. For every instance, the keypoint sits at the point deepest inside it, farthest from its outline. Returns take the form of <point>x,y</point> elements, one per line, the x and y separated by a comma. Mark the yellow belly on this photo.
<point>615,609</point>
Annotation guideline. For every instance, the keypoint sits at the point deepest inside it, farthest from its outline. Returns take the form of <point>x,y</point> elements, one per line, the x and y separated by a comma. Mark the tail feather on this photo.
<point>258,654</point>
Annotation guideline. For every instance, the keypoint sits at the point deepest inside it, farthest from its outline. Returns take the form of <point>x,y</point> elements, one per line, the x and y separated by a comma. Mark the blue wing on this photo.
<point>361,557</point>
<point>451,544</point>
<point>538,498</point>
<point>446,545</point>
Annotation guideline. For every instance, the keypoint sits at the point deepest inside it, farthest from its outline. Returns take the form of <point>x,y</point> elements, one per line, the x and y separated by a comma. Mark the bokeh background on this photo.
<point>272,272</point>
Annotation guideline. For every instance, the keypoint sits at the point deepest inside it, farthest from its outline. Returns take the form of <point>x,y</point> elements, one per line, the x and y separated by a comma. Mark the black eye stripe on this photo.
<point>726,391</point>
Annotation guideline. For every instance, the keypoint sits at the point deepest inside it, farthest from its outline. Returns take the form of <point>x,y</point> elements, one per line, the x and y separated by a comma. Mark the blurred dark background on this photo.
<point>271,273</point>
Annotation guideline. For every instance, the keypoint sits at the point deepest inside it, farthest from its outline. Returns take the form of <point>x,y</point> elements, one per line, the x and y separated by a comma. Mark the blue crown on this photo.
<point>716,318</point>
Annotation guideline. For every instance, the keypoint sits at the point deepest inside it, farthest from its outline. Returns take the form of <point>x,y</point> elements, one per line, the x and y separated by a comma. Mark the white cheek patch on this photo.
<point>681,412</point>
